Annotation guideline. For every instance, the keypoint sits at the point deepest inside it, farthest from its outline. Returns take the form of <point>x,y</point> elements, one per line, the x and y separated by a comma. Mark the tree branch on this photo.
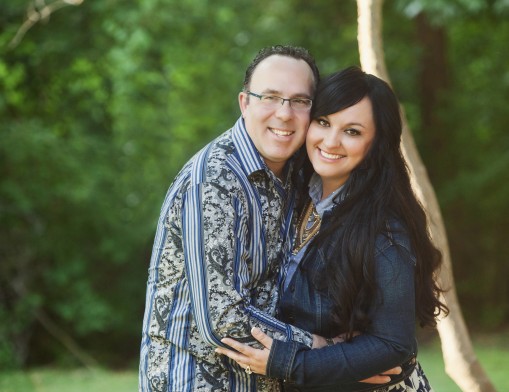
<point>39,11</point>
<point>67,341</point>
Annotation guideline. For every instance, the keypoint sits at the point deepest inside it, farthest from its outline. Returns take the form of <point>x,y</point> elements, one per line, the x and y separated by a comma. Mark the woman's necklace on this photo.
<point>307,227</point>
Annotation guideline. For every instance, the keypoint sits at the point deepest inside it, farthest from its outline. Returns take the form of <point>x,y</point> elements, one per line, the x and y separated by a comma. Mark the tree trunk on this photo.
<point>461,363</point>
<point>433,82</point>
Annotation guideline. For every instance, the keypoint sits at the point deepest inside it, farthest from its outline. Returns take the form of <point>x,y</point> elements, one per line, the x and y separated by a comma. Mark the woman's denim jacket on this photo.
<point>388,342</point>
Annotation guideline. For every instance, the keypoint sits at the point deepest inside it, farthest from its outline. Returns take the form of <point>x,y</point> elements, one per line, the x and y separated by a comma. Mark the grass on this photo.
<point>78,380</point>
<point>492,351</point>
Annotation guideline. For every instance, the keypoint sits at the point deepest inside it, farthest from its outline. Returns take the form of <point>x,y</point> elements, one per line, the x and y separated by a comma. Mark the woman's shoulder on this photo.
<point>394,235</point>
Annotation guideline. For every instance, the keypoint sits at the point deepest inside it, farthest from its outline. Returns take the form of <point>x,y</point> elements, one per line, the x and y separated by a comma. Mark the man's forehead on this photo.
<point>279,73</point>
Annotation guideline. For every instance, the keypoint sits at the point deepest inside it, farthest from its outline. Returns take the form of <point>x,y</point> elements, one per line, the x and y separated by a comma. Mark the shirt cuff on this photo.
<point>302,336</point>
<point>281,359</point>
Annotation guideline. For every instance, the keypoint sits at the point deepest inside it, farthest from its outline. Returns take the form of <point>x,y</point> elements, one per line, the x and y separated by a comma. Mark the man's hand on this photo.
<point>318,341</point>
<point>384,377</point>
<point>249,358</point>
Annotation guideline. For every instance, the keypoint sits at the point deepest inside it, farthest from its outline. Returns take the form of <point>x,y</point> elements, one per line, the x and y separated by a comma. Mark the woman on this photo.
<point>363,265</point>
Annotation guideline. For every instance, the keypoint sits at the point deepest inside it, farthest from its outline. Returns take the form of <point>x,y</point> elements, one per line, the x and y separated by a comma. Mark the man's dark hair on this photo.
<point>295,52</point>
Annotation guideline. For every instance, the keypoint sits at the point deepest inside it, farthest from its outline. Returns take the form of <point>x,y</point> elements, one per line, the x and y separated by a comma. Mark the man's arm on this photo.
<point>222,272</point>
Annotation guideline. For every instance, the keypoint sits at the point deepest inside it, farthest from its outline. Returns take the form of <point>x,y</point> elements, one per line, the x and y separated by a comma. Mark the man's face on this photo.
<point>277,131</point>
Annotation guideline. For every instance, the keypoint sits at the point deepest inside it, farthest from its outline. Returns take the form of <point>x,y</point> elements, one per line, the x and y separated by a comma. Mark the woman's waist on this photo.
<point>408,367</point>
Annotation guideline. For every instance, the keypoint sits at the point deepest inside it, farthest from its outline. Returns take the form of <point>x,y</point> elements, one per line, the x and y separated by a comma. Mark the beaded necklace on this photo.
<point>307,227</point>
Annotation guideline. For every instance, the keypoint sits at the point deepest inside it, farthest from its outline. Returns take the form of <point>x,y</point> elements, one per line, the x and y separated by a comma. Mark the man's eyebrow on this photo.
<point>279,94</point>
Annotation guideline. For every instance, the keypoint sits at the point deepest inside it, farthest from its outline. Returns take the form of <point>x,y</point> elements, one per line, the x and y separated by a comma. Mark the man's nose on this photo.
<point>284,111</point>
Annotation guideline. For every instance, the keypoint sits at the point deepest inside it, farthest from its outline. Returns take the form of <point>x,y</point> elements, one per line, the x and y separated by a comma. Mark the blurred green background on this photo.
<point>102,103</point>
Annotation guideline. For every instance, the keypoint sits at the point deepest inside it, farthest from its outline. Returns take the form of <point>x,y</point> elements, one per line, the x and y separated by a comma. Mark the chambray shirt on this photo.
<point>321,206</point>
<point>215,270</point>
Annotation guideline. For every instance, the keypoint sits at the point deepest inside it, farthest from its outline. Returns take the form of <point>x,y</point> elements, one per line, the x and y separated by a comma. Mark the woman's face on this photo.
<point>338,142</point>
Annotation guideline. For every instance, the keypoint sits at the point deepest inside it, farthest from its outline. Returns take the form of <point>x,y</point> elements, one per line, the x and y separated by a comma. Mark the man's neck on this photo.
<point>277,168</point>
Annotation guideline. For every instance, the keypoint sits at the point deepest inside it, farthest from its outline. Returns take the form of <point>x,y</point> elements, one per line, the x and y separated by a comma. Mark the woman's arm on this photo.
<point>389,342</point>
<point>256,359</point>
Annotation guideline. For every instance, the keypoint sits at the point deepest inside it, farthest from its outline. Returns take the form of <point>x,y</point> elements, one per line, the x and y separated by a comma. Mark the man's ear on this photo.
<point>243,102</point>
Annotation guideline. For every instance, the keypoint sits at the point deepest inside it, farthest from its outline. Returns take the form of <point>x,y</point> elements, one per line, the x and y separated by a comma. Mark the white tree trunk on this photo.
<point>461,363</point>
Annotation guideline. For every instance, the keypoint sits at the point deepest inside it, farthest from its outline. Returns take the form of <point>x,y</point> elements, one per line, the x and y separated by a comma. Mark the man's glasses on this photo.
<point>273,101</point>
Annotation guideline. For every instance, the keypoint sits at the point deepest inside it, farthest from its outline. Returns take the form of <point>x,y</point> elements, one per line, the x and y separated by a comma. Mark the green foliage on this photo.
<point>445,11</point>
<point>475,199</point>
<point>103,103</point>
<point>466,154</point>
<point>101,106</point>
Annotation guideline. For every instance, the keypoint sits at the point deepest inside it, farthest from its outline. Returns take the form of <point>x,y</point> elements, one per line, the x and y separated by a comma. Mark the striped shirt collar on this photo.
<point>248,155</point>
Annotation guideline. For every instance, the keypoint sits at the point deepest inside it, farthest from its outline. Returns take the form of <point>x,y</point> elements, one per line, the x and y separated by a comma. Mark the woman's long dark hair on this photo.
<point>377,190</point>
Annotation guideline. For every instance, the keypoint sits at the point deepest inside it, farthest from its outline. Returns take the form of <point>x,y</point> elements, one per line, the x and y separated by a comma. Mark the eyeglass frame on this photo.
<point>281,100</point>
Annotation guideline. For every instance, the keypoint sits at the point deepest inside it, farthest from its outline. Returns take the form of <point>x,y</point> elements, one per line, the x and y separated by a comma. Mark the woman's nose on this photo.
<point>332,139</point>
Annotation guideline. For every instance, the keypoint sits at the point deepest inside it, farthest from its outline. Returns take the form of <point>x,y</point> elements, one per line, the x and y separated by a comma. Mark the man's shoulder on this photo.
<point>217,163</point>
<point>221,150</point>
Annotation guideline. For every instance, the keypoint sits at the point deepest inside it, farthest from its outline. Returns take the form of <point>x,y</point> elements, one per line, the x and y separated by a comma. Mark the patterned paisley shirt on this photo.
<point>220,244</point>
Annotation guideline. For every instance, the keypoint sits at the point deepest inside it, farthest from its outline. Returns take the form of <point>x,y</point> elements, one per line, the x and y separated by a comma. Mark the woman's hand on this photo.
<point>246,356</point>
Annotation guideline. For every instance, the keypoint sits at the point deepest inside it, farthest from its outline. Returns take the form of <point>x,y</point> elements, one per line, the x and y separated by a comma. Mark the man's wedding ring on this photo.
<point>248,369</point>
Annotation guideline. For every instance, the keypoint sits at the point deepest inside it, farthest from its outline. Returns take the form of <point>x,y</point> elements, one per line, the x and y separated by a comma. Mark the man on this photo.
<point>223,233</point>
